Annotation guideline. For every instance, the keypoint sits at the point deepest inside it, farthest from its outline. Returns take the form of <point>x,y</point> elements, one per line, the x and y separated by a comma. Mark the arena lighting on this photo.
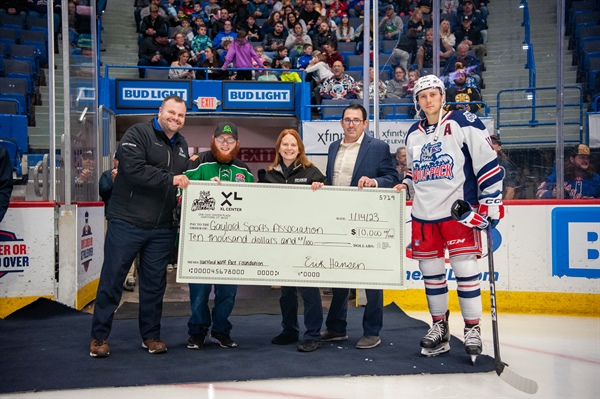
<point>525,46</point>
<point>521,5</point>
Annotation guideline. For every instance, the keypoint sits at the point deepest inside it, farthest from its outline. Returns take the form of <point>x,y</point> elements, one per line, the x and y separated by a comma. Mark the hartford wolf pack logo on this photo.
<point>204,202</point>
<point>433,165</point>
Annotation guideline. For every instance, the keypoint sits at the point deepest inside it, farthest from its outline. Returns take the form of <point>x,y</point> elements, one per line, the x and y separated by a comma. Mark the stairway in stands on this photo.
<point>505,69</point>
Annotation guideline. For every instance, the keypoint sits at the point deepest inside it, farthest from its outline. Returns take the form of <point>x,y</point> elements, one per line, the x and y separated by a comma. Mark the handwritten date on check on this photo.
<point>290,235</point>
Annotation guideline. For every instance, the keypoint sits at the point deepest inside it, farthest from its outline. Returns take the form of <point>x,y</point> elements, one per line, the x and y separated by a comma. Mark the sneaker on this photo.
<point>99,348</point>
<point>196,341</point>
<point>309,345</point>
<point>368,342</point>
<point>437,339</point>
<point>284,339</point>
<point>129,284</point>
<point>330,335</point>
<point>154,346</point>
<point>224,340</point>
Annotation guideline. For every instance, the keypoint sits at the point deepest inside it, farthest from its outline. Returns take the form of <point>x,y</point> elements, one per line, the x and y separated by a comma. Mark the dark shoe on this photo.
<point>368,342</point>
<point>283,339</point>
<point>224,340</point>
<point>196,341</point>
<point>154,346</point>
<point>309,345</point>
<point>330,335</point>
<point>99,348</point>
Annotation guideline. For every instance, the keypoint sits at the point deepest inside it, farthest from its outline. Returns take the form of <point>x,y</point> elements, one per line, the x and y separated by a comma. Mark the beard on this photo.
<point>221,156</point>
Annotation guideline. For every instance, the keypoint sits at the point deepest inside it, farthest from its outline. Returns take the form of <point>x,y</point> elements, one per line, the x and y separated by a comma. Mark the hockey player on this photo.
<point>450,157</point>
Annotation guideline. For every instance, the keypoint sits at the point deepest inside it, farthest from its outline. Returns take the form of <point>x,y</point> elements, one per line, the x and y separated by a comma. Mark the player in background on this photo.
<point>450,157</point>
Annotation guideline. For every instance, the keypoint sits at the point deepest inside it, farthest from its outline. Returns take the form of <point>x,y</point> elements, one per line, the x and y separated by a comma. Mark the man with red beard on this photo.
<point>218,164</point>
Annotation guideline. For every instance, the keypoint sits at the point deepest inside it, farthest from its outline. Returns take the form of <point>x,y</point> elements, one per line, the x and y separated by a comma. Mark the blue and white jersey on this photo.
<point>461,164</point>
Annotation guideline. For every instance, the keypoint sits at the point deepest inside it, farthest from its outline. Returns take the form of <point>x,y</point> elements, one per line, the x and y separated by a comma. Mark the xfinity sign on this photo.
<point>150,93</point>
<point>256,96</point>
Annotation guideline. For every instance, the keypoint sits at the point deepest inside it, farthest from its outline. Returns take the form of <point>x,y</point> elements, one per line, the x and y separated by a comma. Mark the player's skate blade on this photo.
<point>431,352</point>
<point>473,343</point>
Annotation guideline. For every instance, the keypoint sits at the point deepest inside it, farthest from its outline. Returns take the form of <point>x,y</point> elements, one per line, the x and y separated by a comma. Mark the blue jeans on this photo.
<point>123,242</point>
<point>201,320</point>
<point>372,317</point>
<point>313,312</point>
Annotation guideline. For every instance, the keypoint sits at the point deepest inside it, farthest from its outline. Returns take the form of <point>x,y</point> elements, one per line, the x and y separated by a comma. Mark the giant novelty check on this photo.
<point>276,234</point>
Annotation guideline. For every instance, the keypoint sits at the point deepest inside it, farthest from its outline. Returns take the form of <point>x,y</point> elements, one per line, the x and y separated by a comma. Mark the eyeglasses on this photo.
<point>229,140</point>
<point>352,121</point>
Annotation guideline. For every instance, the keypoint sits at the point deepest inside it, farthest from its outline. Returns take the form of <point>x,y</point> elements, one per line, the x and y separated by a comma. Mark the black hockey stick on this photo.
<point>461,208</point>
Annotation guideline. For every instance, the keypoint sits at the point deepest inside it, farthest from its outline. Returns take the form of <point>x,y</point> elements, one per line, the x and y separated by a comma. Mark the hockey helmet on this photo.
<point>428,82</point>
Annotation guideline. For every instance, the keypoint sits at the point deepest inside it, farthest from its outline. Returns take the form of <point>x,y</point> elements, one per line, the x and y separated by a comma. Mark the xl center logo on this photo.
<point>228,197</point>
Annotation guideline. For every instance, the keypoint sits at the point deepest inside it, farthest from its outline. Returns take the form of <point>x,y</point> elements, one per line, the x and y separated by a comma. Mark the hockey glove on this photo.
<point>463,213</point>
<point>493,213</point>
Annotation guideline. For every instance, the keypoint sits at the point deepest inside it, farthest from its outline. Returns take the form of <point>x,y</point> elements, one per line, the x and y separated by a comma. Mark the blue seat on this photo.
<point>39,42</point>
<point>8,37</point>
<point>13,137</point>
<point>10,107</point>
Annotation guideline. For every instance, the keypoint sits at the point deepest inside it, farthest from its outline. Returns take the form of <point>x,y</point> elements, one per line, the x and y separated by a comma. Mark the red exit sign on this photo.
<point>257,155</point>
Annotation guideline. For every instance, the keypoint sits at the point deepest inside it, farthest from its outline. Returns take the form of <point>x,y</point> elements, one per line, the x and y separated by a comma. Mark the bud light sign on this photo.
<point>150,93</point>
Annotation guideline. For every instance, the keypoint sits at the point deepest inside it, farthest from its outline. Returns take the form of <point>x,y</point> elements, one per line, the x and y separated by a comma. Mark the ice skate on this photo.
<point>473,344</point>
<point>437,340</point>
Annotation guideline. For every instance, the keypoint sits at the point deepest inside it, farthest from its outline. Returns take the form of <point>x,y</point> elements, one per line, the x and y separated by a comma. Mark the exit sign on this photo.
<point>207,103</point>
<point>262,155</point>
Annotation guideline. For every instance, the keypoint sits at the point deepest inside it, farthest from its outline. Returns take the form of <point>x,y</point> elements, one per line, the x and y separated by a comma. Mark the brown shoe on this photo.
<point>154,345</point>
<point>99,348</point>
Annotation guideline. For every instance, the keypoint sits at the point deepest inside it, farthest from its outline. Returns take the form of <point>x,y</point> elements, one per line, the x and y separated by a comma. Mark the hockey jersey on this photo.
<point>461,164</point>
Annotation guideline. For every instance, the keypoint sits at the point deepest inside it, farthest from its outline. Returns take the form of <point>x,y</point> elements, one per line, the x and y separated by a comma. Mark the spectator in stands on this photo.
<point>269,25</point>
<point>417,22</point>
<point>86,170</point>
<point>471,36</point>
<point>401,166</point>
<point>331,53</point>
<point>200,43</point>
<point>306,57</point>
<point>467,61</point>
<point>338,87</point>
<point>260,52</point>
<point>226,34</point>
<point>179,43</point>
<point>413,76</point>
<point>185,29</point>
<point>391,25</point>
<point>242,14</point>
<point>218,22</point>
<point>406,49</point>
<point>345,32</point>
<point>328,21</point>
<point>287,75</point>
<point>310,16</point>
<point>241,54</point>
<point>6,181</point>
<point>510,182</point>
<point>253,30</point>
<point>211,8</point>
<point>396,86</point>
<point>186,8</point>
<point>296,41</point>
<point>258,9</point>
<point>448,10</point>
<point>154,51</point>
<point>231,6</point>
<point>446,33</point>
<point>319,68</point>
<point>14,7</point>
<point>152,23</point>
<point>337,9</point>
<point>382,86</point>
<point>172,11</point>
<point>356,8</point>
<point>468,8</point>
<point>424,6</point>
<point>213,64</point>
<point>481,7</point>
<point>144,12</point>
<point>273,40</point>
<point>323,36</point>
<point>290,20</point>
<point>282,55</point>
<point>580,180</point>
<point>182,61</point>
<point>460,69</point>
<point>267,76</point>
<point>425,51</point>
<point>460,93</point>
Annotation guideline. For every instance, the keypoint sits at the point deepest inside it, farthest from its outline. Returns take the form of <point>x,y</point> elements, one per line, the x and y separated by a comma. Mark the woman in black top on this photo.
<point>213,62</point>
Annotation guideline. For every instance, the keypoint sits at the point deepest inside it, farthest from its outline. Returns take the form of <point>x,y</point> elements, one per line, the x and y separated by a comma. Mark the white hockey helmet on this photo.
<point>428,82</point>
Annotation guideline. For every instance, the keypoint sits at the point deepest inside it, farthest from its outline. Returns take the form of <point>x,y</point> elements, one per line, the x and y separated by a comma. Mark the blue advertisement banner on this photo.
<point>150,93</point>
<point>576,242</point>
<point>277,96</point>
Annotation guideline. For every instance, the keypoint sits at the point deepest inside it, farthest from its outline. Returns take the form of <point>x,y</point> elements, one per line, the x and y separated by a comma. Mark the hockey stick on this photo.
<point>460,211</point>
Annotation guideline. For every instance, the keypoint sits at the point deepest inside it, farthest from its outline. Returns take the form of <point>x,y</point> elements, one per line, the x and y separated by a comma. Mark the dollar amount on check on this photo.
<point>271,234</point>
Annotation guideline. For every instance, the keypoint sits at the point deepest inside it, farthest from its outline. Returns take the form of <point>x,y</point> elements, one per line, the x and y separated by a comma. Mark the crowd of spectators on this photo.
<point>302,34</point>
